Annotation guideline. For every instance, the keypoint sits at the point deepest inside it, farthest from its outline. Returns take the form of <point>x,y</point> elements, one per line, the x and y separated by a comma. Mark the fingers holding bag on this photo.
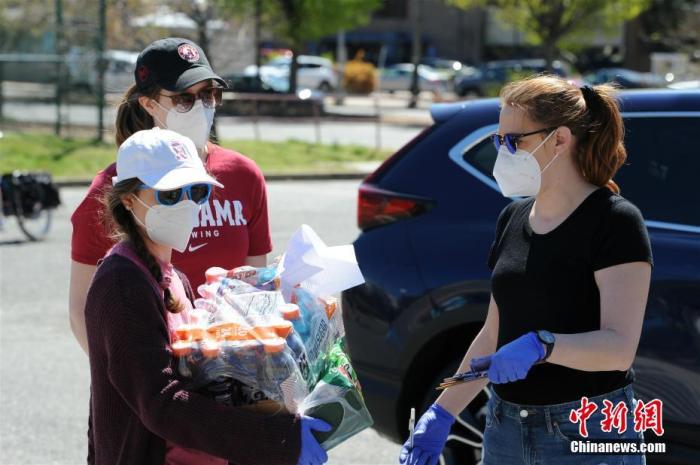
<point>311,451</point>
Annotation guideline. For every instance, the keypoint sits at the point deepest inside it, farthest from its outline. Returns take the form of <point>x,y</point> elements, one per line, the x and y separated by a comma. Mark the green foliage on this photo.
<point>298,21</point>
<point>548,22</point>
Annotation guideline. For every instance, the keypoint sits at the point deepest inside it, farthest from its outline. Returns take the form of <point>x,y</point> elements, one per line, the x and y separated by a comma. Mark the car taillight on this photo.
<point>377,207</point>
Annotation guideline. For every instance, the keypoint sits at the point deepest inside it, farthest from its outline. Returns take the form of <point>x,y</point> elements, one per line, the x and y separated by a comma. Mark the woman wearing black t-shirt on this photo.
<point>571,271</point>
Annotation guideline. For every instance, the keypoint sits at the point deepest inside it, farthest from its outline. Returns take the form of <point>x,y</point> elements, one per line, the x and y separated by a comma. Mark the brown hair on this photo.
<point>591,113</point>
<point>131,116</point>
<point>124,227</point>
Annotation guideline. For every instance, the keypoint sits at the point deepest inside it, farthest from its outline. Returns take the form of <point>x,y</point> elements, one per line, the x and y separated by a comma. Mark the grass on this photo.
<point>82,157</point>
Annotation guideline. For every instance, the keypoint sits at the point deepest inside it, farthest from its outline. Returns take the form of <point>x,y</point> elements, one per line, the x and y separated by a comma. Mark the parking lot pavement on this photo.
<point>44,376</point>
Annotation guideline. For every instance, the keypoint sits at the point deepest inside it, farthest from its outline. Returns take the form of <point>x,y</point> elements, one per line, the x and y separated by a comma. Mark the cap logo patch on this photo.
<point>179,150</point>
<point>188,53</point>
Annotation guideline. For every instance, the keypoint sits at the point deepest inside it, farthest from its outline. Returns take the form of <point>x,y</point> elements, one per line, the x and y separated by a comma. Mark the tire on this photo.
<point>325,87</point>
<point>465,443</point>
<point>34,224</point>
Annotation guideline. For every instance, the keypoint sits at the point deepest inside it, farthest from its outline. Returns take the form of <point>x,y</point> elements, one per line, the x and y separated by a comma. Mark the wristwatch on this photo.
<point>548,340</point>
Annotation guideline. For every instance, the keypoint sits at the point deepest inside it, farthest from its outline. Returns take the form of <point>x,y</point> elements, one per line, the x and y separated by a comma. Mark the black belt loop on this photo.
<point>548,420</point>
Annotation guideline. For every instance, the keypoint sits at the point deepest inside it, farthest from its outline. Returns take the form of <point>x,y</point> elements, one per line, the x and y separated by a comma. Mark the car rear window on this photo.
<point>482,157</point>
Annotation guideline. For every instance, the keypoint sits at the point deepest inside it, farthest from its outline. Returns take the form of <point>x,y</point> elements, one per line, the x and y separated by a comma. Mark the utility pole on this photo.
<point>101,64</point>
<point>341,59</point>
<point>415,52</point>
<point>258,60</point>
<point>58,49</point>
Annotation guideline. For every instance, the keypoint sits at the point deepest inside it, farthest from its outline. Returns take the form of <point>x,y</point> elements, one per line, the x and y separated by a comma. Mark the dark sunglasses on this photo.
<point>511,140</point>
<point>211,97</point>
<point>198,193</point>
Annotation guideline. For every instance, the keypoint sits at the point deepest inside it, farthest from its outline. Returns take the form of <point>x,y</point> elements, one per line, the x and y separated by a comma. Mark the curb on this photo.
<point>272,177</point>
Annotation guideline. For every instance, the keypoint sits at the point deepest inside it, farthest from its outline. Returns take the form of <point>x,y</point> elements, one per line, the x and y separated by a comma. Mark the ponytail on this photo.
<point>131,116</point>
<point>601,151</point>
<point>124,228</point>
<point>591,113</point>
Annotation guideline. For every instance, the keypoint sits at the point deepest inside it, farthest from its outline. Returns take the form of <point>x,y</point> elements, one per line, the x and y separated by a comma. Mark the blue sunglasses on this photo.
<point>511,140</point>
<point>198,193</point>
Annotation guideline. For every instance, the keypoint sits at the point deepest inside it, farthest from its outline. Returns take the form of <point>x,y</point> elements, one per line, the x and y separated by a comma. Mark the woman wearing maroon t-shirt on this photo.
<point>175,88</point>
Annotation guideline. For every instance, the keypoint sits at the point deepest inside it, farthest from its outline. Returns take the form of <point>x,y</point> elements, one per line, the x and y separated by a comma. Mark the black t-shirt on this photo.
<point>546,281</point>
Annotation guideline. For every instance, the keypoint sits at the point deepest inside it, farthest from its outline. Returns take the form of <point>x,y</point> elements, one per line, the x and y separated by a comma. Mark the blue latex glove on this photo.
<point>429,437</point>
<point>512,361</point>
<point>311,451</point>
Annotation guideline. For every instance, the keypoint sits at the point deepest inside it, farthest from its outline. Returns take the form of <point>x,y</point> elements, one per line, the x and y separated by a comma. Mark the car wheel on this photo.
<point>465,443</point>
<point>325,87</point>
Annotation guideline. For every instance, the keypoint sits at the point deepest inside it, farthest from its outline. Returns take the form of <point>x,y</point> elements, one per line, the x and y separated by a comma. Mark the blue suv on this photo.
<point>428,218</point>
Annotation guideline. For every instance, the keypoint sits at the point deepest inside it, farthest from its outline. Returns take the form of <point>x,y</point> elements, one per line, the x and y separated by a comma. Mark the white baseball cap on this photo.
<point>161,159</point>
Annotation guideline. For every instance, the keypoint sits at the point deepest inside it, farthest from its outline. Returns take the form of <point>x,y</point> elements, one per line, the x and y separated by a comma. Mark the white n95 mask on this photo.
<point>195,124</point>
<point>518,174</point>
<point>170,225</point>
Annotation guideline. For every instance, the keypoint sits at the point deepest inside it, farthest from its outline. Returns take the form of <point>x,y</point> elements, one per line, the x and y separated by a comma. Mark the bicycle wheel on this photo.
<point>33,219</point>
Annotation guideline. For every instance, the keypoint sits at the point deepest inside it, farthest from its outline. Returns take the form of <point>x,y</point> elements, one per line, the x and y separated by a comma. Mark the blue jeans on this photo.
<point>542,434</point>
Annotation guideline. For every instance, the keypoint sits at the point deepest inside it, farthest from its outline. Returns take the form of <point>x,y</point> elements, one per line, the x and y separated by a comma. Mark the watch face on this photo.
<point>546,337</point>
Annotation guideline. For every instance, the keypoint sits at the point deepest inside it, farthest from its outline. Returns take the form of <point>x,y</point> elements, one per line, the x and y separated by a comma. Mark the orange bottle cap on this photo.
<point>214,273</point>
<point>290,311</point>
<point>274,345</point>
<point>331,305</point>
<point>283,328</point>
<point>183,332</point>
<point>198,333</point>
<point>181,348</point>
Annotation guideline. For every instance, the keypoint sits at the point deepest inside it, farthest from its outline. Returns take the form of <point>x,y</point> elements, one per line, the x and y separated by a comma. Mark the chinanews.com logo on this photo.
<point>648,416</point>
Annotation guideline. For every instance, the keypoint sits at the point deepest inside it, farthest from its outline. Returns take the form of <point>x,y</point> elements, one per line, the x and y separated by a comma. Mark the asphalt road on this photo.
<point>44,375</point>
<point>392,136</point>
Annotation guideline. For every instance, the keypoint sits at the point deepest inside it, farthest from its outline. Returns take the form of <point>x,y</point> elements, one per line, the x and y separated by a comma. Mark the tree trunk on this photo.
<point>550,54</point>
<point>293,68</point>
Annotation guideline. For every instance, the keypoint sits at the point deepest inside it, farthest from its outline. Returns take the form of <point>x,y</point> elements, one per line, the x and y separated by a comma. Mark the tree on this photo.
<point>662,25</point>
<point>300,21</point>
<point>548,22</point>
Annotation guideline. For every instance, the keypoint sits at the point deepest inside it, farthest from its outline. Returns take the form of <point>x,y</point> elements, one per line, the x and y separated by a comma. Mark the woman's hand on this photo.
<point>512,361</point>
<point>429,437</point>
<point>311,451</point>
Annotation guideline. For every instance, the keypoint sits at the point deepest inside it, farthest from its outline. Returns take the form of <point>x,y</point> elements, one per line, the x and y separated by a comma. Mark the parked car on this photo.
<point>119,73</point>
<point>685,85</point>
<point>626,78</point>
<point>314,72</point>
<point>450,70</point>
<point>428,216</point>
<point>265,84</point>
<point>267,95</point>
<point>399,77</point>
<point>490,77</point>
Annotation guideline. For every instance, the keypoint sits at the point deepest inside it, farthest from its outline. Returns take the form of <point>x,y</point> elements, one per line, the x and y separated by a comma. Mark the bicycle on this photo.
<point>30,197</point>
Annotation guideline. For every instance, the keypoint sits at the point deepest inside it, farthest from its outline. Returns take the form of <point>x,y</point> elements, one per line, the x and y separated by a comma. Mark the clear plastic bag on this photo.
<point>259,338</point>
<point>337,400</point>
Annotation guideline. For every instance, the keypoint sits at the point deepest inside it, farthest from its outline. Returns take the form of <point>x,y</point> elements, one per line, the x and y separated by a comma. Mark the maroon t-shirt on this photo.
<point>232,225</point>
